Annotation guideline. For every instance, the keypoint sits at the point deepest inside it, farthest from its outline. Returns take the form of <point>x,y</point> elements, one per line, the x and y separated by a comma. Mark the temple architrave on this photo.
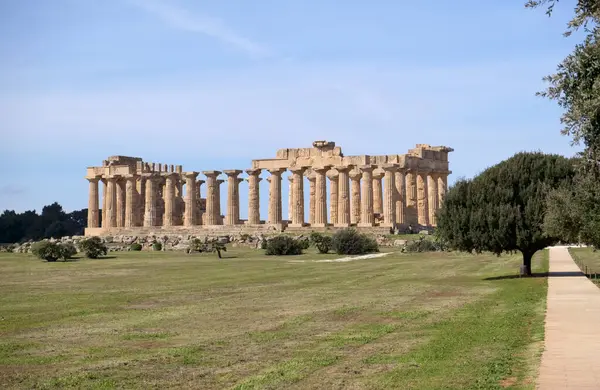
<point>369,192</point>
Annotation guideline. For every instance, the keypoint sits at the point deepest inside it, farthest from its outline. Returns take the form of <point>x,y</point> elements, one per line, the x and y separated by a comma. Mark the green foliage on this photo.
<point>350,242</point>
<point>135,247</point>
<point>157,246</point>
<point>502,209</point>
<point>52,251</point>
<point>93,247</point>
<point>212,245</point>
<point>322,242</point>
<point>283,245</point>
<point>423,244</point>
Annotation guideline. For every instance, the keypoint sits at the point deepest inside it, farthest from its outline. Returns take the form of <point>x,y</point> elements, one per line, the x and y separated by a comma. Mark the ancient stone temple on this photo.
<point>369,192</point>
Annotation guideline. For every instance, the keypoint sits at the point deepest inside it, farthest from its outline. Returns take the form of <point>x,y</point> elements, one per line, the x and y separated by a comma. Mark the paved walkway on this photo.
<point>571,358</point>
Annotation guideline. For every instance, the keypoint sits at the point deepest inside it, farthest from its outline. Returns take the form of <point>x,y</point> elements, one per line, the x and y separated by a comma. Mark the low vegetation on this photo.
<point>351,242</point>
<point>52,251</point>
<point>170,320</point>
<point>93,247</point>
<point>322,242</point>
<point>283,245</point>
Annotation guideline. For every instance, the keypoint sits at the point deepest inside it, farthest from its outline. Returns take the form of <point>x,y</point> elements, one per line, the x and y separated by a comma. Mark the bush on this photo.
<point>51,251</point>
<point>322,242</point>
<point>350,242</point>
<point>93,247</point>
<point>422,244</point>
<point>283,246</point>
<point>157,246</point>
<point>196,245</point>
<point>135,247</point>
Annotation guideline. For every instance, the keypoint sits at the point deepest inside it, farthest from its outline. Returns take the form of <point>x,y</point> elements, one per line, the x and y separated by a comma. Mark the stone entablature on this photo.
<point>365,191</point>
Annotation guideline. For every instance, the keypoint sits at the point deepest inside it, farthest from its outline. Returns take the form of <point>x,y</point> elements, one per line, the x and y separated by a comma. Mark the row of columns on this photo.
<point>356,195</point>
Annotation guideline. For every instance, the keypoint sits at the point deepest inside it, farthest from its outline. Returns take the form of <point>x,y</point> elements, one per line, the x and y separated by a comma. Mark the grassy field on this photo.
<point>171,320</point>
<point>586,256</point>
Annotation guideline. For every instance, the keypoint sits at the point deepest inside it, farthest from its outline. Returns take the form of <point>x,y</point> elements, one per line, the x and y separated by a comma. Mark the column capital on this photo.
<point>190,175</point>
<point>212,174</point>
<point>390,167</point>
<point>424,171</point>
<point>322,169</point>
<point>276,171</point>
<point>332,174</point>
<point>366,168</point>
<point>253,171</point>
<point>378,173</point>
<point>258,178</point>
<point>299,170</point>
<point>342,168</point>
<point>355,174</point>
<point>93,179</point>
<point>232,172</point>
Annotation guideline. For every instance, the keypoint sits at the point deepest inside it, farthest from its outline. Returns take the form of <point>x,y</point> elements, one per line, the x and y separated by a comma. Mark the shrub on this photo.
<point>46,250</point>
<point>423,244</point>
<point>68,250</point>
<point>135,247</point>
<point>196,245</point>
<point>93,247</point>
<point>322,242</point>
<point>283,245</point>
<point>157,246</point>
<point>350,242</point>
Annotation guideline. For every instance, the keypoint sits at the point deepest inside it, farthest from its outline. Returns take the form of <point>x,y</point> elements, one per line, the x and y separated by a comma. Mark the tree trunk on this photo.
<point>219,253</point>
<point>527,256</point>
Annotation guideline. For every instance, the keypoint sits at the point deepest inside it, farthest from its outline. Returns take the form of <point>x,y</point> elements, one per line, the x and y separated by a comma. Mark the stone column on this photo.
<point>150,214</point>
<point>400,197</point>
<point>297,196</point>
<point>130,201</point>
<point>233,197</point>
<point>169,196</point>
<point>191,195</point>
<point>140,201</point>
<point>104,198</point>
<point>111,203</point>
<point>311,198</point>
<point>389,191</point>
<point>377,191</point>
<point>320,196</point>
<point>290,198</point>
<point>422,206</point>
<point>333,196</point>
<point>212,193</point>
<point>355,176</point>
<point>120,196</point>
<point>275,215</point>
<point>93,220</point>
<point>432,185</point>
<point>366,207</point>
<point>218,204</point>
<point>411,198</point>
<point>253,196</point>
<point>343,200</point>
<point>442,187</point>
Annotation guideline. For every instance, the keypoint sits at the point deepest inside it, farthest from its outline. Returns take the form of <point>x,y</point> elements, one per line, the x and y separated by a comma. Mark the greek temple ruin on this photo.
<point>369,192</point>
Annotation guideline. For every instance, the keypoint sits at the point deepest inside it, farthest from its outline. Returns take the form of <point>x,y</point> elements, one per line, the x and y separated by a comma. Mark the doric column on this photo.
<point>432,185</point>
<point>218,204</point>
<point>422,206</point>
<point>320,196</point>
<point>253,196</point>
<point>111,203</point>
<point>411,215</point>
<point>93,220</point>
<point>297,196</point>
<point>366,207</point>
<point>377,191</point>
<point>169,197</point>
<point>442,187</point>
<point>140,194</point>
<point>120,196</point>
<point>179,201</point>
<point>333,196</point>
<point>191,195</point>
<point>275,215</point>
<point>104,198</point>
<point>290,198</point>
<point>151,212</point>
<point>389,201</point>
<point>199,213</point>
<point>130,201</point>
<point>233,197</point>
<point>400,197</point>
<point>343,200</point>
<point>355,176</point>
<point>311,198</point>
<point>212,201</point>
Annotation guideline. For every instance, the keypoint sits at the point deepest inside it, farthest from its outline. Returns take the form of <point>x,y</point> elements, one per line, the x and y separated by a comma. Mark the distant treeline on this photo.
<point>53,222</point>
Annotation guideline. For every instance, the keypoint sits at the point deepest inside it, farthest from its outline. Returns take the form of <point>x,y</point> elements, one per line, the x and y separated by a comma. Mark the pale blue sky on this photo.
<point>214,84</point>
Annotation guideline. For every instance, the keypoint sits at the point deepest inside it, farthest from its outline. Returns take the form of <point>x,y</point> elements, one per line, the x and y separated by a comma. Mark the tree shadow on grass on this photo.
<point>538,275</point>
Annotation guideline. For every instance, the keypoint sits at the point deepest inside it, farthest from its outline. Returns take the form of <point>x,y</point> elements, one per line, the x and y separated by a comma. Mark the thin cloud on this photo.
<point>182,19</point>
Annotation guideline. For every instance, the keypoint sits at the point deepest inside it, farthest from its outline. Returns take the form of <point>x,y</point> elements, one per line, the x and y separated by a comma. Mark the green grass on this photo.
<point>248,321</point>
<point>587,257</point>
